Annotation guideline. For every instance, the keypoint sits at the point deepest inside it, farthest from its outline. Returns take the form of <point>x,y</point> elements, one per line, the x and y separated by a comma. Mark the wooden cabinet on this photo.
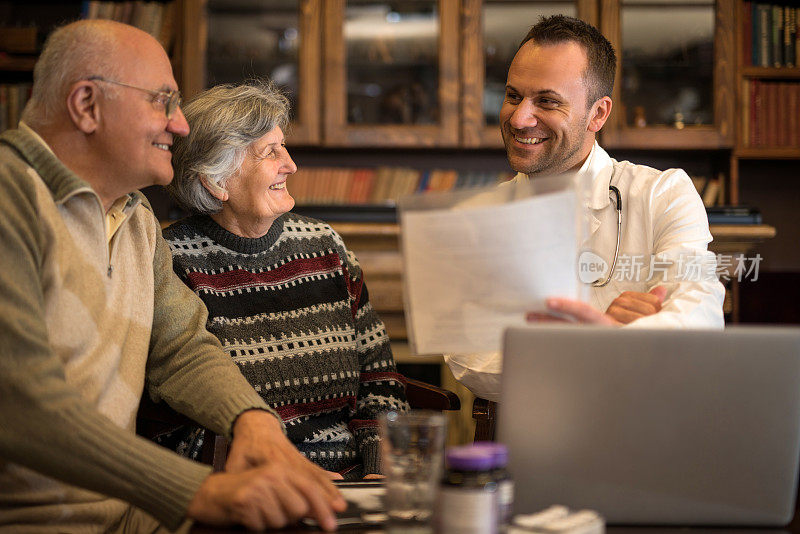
<point>231,41</point>
<point>491,31</point>
<point>675,74</point>
<point>373,73</point>
<point>431,73</point>
<point>391,73</point>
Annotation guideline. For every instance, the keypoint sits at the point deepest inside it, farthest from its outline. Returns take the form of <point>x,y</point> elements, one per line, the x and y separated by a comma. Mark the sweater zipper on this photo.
<point>110,269</point>
<point>108,242</point>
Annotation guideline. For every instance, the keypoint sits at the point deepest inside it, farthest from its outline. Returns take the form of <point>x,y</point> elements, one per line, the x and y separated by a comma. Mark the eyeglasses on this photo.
<point>171,100</point>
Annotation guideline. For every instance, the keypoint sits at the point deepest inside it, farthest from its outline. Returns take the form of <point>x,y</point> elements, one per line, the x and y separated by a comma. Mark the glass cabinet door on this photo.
<point>391,73</point>
<point>279,40</point>
<point>675,77</point>
<point>490,35</point>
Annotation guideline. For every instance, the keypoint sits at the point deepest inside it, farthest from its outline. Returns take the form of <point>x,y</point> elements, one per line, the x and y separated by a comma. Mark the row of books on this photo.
<point>156,18</point>
<point>733,215</point>
<point>381,185</point>
<point>771,35</point>
<point>770,113</point>
<point>13,98</point>
<point>711,190</point>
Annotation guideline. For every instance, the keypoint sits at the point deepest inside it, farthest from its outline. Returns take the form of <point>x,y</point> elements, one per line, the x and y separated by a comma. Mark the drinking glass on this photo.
<point>412,449</point>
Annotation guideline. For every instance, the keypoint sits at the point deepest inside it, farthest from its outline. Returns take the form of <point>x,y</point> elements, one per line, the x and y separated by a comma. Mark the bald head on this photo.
<point>74,52</point>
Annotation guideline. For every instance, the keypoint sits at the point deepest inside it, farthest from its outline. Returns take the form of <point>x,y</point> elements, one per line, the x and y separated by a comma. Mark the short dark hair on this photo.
<point>602,60</point>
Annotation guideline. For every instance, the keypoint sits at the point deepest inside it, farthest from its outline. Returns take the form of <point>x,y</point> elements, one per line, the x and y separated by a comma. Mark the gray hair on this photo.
<point>225,121</point>
<point>71,53</point>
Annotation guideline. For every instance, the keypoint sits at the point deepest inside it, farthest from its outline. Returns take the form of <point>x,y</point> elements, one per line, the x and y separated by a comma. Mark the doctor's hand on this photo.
<point>625,309</point>
<point>631,305</point>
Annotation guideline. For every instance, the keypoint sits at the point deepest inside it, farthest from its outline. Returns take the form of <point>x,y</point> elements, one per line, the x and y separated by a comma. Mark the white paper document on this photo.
<point>476,267</point>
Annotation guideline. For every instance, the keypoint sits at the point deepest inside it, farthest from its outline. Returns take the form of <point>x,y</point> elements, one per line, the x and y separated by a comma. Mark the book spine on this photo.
<point>788,36</point>
<point>793,89</point>
<point>423,181</point>
<point>776,36</point>
<point>294,184</point>
<point>764,48</point>
<point>756,113</point>
<point>710,193</point>
<point>783,120</point>
<point>747,100</point>
<point>747,33</point>
<point>797,36</point>
<point>369,184</point>
<point>755,40</point>
<point>771,104</point>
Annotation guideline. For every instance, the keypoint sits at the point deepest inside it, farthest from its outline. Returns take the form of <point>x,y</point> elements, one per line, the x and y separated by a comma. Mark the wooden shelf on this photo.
<point>665,138</point>
<point>17,63</point>
<point>730,232</point>
<point>771,72</point>
<point>402,354</point>
<point>739,238</point>
<point>367,229</point>
<point>767,152</point>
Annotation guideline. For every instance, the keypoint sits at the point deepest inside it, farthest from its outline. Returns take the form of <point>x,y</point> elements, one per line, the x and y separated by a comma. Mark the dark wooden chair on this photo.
<point>485,414</point>
<point>158,418</point>
<point>423,396</point>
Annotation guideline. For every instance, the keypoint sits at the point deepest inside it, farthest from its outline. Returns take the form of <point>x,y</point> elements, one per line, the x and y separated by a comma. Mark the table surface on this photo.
<point>792,528</point>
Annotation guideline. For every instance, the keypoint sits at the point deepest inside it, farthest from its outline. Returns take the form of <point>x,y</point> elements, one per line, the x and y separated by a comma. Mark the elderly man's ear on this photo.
<point>215,190</point>
<point>82,106</point>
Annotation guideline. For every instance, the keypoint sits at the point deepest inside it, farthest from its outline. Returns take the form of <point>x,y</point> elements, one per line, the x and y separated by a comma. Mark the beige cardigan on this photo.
<point>83,322</point>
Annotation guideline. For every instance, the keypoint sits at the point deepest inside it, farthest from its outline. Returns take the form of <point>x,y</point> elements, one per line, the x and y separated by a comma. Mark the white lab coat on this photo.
<point>663,216</point>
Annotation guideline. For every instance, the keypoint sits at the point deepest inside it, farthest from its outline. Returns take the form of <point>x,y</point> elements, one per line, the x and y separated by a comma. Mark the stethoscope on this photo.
<point>618,203</point>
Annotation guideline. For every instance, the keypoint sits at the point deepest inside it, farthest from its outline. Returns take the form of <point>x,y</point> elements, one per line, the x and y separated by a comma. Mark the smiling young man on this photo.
<point>558,96</point>
<point>90,309</point>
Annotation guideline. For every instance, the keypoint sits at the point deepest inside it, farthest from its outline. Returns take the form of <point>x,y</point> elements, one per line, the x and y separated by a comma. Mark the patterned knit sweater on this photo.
<point>291,309</point>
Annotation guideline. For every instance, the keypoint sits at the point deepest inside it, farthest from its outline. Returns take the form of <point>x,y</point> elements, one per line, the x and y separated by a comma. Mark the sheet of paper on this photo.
<point>471,272</point>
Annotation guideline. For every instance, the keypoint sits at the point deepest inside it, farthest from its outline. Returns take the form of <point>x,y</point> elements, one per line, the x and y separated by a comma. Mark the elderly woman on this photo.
<point>284,296</point>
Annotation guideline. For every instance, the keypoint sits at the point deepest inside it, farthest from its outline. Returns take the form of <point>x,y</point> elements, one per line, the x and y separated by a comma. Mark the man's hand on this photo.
<point>631,305</point>
<point>625,309</point>
<point>258,441</point>
<point>374,476</point>
<point>265,497</point>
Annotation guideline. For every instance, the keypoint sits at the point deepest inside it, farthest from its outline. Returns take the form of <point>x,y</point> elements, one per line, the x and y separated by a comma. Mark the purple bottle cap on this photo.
<point>498,451</point>
<point>469,458</point>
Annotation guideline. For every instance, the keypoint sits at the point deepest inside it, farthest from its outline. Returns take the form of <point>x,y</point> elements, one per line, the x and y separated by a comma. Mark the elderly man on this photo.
<point>90,307</point>
<point>557,99</point>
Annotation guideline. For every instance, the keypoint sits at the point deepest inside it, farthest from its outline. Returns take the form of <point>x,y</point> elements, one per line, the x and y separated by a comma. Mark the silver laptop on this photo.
<point>655,427</point>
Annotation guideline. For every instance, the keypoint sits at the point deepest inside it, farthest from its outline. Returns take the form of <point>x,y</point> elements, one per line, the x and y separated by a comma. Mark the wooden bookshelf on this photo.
<point>17,63</point>
<point>745,75</point>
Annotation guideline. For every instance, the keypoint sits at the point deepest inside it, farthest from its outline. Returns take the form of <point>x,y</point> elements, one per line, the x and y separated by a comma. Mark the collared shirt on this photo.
<point>115,215</point>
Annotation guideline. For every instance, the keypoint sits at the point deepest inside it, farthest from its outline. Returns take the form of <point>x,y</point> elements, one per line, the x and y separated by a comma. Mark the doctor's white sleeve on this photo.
<point>479,372</point>
<point>680,240</point>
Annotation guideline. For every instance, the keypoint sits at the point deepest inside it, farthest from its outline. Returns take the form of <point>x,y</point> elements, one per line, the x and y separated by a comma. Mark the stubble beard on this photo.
<point>550,162</point>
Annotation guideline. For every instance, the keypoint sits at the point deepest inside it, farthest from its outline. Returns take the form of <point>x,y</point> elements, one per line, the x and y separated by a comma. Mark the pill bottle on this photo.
<point>505,483</point>
<point>468,493</point>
